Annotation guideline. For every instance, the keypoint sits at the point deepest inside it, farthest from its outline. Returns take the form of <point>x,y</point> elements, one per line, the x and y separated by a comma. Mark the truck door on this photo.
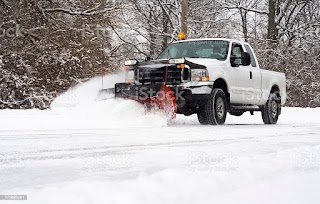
<point>241,80</point>
<point>255,75</point>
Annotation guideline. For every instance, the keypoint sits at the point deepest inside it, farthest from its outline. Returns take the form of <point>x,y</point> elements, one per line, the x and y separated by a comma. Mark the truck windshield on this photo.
<point>210,49</point>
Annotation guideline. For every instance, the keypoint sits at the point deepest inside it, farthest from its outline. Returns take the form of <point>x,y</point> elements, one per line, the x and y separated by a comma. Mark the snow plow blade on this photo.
<point>165,101</point>
<point>105,94</point>
<point>154,97</point>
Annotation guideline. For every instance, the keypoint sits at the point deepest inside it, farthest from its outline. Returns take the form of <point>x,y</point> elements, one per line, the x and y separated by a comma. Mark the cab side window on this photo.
<point>236,51</point>
<point>253,60</point>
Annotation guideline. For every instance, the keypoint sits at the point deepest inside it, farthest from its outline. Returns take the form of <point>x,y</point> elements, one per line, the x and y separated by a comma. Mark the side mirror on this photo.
<point>246,59</point>
<point>235,61</point>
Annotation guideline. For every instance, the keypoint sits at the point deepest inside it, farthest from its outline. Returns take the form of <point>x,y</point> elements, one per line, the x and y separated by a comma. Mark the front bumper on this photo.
<point>189,99</point>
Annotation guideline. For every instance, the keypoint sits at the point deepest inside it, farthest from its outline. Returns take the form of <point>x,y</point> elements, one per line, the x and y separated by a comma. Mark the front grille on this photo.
<point>154,76</point>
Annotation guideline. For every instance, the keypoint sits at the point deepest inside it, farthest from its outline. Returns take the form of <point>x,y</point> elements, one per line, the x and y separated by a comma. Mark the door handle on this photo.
<point>250,75</point>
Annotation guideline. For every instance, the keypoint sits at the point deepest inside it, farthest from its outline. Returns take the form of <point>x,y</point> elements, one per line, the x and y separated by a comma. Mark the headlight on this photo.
<point>200,75</point>
<point>130,62</point>
<point>177,61</point>
<point>129,76</point>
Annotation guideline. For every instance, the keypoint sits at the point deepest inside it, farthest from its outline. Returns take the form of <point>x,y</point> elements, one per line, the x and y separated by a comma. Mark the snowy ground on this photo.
<point>83,151</point>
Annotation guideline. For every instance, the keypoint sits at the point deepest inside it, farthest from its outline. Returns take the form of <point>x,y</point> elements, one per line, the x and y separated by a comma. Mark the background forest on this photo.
<point>48,46</point>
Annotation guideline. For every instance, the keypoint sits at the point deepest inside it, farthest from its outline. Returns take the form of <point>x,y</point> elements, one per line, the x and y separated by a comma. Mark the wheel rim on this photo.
<point>274,109</point>
<point>220,108</point>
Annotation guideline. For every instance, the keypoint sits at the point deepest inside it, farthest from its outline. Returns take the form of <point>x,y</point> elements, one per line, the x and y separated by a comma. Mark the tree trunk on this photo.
<point>272,26</point>
<point>184,16</point>
<point>244,24</point>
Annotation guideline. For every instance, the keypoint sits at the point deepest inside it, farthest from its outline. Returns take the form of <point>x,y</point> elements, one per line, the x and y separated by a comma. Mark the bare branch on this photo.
<point>89,12</point>
<point>240,7</point>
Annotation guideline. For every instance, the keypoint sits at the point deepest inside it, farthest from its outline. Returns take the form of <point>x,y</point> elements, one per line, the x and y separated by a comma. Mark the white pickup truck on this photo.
<point>210,78</point>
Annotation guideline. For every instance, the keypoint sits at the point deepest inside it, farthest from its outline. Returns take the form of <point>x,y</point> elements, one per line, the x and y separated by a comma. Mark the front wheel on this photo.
<point>271,111</point>
<point>215,110</point>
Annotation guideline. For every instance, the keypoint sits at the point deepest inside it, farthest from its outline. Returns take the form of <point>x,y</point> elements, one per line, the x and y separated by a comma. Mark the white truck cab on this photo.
<point>248,84</point>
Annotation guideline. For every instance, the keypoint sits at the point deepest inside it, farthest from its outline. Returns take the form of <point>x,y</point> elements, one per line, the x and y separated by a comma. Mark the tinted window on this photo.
<point>253,60</point>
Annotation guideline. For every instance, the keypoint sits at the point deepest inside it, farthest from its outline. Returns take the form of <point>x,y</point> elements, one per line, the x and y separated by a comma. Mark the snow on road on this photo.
<point>85,151</point>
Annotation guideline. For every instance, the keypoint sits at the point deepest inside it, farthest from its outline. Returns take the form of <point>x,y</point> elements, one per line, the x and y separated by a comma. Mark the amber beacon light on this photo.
<point>181,36</point>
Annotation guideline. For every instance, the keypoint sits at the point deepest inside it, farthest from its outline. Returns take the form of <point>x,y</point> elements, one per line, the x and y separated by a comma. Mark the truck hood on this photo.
<point>156,64</point>
<point>207,62</point>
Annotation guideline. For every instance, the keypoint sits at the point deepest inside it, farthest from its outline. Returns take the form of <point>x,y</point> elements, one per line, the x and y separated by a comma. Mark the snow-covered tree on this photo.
<point>49,46</point>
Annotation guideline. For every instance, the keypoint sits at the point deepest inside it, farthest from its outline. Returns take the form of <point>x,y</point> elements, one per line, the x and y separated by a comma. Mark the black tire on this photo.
<point>202,117</point>
<point>271,111</point>
<point>215,110</point>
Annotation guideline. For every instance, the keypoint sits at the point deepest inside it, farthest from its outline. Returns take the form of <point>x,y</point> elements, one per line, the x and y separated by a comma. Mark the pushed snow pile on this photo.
<point>81,103</point>
<point>85,95</point>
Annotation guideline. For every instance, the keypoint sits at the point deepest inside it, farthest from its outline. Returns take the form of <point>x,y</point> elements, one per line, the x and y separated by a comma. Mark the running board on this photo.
<point>245,107</point>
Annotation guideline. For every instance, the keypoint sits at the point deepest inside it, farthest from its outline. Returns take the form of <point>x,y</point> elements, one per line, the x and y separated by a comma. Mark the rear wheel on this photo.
<point>271,110</point>
<point>215,110</point>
